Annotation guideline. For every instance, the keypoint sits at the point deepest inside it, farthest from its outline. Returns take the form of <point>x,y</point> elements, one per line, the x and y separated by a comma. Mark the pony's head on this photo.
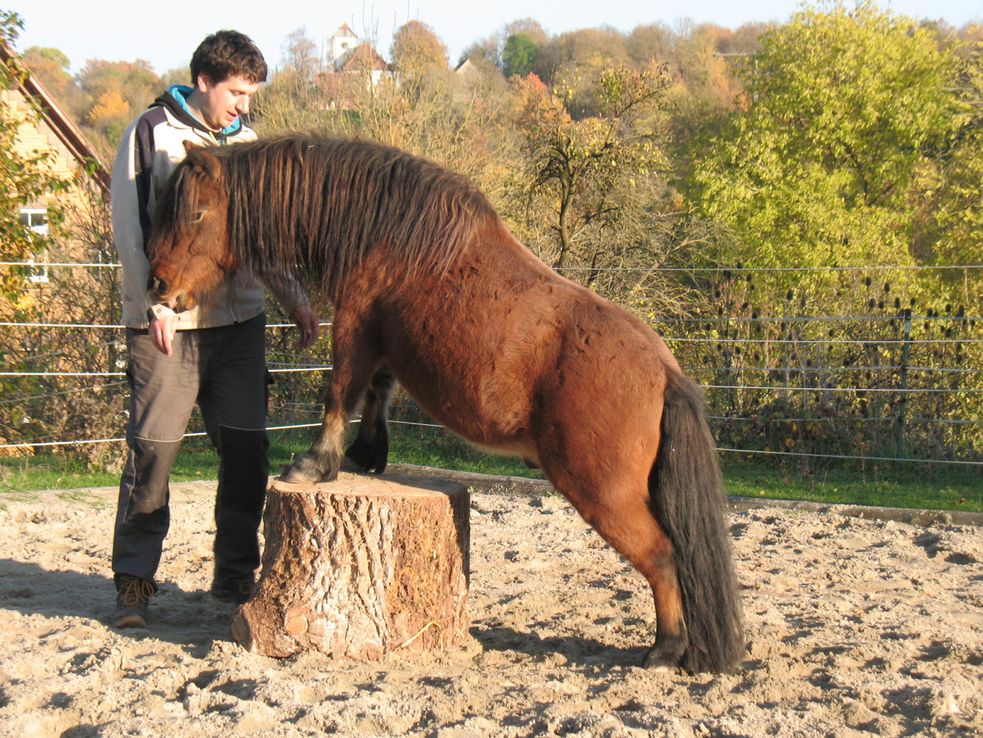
<point>189,247</point>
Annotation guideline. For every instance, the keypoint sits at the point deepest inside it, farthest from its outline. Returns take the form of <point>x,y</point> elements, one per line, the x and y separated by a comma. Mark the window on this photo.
<point>37,220</point>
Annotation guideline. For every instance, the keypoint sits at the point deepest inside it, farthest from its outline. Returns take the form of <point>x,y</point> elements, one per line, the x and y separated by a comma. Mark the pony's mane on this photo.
<point>320,204</point>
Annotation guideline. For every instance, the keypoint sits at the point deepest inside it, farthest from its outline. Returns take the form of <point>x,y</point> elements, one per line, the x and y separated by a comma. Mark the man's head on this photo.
<point>226,70</point>
<point>228,54</point>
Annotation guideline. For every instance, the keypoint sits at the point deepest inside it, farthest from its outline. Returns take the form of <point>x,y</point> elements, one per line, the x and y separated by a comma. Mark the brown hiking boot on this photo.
<point>132,598</point>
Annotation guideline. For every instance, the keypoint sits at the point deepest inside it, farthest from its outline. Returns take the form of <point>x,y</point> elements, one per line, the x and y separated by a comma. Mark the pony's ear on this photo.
<point>190,146</point>
<point>206,162</point>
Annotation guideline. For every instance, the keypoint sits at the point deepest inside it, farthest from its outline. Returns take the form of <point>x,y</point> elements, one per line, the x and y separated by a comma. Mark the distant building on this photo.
<point>351,64</point>
<point>340,45</point>
<point>467,68</point>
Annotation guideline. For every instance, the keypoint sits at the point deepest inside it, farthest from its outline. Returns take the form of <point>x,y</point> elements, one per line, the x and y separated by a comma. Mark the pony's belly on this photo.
<point>525,451</point>
<point>487,432</point>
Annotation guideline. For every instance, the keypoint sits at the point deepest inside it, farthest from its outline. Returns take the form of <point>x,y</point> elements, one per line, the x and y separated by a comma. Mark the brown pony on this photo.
<point>430,288</point>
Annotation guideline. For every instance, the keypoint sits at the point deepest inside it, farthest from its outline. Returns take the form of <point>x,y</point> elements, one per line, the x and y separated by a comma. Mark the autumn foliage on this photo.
<point>716,181</point>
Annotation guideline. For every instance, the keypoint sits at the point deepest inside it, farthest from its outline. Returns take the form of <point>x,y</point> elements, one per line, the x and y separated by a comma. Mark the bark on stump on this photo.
<point>360,567</point>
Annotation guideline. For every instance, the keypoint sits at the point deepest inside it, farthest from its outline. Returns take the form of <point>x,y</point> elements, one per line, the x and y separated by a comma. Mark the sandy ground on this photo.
<point>856,627</point>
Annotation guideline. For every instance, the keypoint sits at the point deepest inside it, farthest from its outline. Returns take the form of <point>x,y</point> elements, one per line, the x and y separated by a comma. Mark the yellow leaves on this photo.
<point>111,105</point>
<point>417,49</point>
<point>536,107</point>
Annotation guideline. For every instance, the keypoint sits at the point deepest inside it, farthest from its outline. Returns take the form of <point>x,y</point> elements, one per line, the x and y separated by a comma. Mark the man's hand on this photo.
<point>307,321</point>
<point>162,333</point>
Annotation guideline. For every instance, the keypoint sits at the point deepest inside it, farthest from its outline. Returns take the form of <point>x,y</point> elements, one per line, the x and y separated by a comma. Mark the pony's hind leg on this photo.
<point>634,532</point>
<point>622,516</point>
<point>370,450</point>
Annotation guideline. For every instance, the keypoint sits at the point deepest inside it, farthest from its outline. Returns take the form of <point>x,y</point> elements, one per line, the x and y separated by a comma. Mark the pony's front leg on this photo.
<point>355,363</point>
<point>321,462</point>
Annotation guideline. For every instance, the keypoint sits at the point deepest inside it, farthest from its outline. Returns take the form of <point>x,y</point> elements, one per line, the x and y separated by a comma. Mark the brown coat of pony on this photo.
<point>428,286</point>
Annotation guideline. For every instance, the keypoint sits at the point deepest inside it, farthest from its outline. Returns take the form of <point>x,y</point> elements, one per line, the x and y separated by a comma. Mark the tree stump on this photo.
<point>360,567</point>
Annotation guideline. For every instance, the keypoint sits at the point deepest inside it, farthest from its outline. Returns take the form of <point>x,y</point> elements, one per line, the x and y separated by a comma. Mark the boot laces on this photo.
<point>135,591</point>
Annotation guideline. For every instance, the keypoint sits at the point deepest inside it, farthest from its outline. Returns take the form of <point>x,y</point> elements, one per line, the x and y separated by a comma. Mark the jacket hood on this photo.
<point>175,100</point>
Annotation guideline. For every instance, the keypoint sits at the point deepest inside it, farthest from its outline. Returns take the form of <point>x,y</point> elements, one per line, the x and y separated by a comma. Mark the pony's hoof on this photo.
<point>654,662</point>
<point>347,465</point>
<point>665,656</point>
<point>367,459</point>
<point>304,470</point>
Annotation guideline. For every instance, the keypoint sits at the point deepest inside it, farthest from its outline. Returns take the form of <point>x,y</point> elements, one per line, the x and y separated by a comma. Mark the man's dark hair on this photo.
<point>227,54</point>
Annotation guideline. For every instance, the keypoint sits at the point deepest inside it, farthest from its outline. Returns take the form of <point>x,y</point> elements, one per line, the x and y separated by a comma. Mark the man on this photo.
<point>212,355</point>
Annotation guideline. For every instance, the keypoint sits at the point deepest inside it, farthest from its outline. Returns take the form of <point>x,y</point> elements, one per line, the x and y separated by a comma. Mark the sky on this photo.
<point>124,31</point>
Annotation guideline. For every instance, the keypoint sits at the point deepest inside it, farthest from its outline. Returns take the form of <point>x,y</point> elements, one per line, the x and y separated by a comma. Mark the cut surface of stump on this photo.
<point>360,567</point>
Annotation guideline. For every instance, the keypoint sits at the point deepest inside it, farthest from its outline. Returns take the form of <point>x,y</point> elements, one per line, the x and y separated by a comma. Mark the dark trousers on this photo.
<point>223,370</point>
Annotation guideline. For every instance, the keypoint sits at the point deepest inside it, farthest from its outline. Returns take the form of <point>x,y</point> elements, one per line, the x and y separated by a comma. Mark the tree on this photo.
<point>649,42</point>
<point>528,27</point>
<point>26,181</point>
<point>745,39</point>
<point>301,57</point>
<point>705,89</point>
<point>697,60</point>
<point>294,98</point>
<point>107,83</point>
<point>109,106</point>
<point>110,115</point>
<point>51,66</point>
<point>491,48</point>
<point>951,219</point>
<point>103,97</point>
<point>845,111</point>
<point>586,170</point>
<point>596,47</point>
<point>135,81</point>
<point>849,152</point>
<point>417,51</point>
<point>175,76</point>
<point>519,55</point>
<point>486,50</point>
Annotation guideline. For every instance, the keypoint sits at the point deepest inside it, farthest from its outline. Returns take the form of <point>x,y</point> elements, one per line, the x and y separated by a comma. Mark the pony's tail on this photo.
<point>688,501</point>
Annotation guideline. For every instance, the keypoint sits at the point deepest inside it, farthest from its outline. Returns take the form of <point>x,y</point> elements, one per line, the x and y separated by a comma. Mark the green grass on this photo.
<point>900,484</point>
<point>49,471</point>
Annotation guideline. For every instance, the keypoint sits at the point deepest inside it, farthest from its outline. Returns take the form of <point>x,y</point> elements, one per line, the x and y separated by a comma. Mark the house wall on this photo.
<point>35,135</point>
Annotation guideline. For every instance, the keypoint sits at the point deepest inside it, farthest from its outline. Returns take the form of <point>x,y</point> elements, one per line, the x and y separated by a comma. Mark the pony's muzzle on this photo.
<point>157,293</point>
<point>157,286</point>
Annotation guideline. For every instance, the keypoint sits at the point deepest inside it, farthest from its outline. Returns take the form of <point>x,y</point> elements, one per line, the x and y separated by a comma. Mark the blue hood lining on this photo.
<point>181,92</point>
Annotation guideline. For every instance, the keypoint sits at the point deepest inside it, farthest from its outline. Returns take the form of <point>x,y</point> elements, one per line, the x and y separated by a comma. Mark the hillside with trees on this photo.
<point>735,184</point>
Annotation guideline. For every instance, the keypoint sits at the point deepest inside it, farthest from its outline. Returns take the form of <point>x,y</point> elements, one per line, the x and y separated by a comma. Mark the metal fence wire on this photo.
<point>852,363</point>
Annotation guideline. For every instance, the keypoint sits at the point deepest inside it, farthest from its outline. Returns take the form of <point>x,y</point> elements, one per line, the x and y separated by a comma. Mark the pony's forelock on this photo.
<point>178,201</point>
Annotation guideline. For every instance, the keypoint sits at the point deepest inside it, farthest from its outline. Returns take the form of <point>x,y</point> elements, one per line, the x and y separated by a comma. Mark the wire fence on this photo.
<point>788,378</point>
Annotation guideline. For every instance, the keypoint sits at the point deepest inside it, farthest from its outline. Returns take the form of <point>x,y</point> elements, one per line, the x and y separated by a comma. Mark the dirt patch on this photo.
<point>856,626</point>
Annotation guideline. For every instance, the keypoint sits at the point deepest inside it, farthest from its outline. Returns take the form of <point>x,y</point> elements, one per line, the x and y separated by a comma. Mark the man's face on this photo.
<point>221,104</point>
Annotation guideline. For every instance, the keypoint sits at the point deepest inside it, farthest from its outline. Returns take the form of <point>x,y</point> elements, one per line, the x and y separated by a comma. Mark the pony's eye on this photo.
<point>198,216</point>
